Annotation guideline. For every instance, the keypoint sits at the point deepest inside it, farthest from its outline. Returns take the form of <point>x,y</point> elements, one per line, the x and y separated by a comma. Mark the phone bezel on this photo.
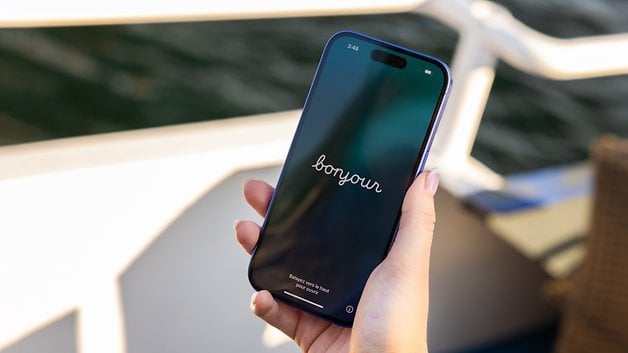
<point>422,153</point>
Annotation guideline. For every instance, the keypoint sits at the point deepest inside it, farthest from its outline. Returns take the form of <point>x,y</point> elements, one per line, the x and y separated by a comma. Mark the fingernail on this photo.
<point>246,181</point>
<point>431,183</point>
<point>235,224</point>
<point>253,299</point>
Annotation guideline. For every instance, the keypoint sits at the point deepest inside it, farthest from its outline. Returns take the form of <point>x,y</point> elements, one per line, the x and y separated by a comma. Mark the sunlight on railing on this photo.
<point>74,228</point>
<point>488,33</point>
<point>34,13</point>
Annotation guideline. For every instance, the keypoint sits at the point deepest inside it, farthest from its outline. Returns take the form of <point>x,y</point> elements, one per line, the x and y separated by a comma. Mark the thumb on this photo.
<point>411,249</point>
<point>398,290</point>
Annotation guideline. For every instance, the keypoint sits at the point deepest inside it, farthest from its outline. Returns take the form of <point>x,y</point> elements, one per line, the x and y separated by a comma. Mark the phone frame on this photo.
<point>422,153</point>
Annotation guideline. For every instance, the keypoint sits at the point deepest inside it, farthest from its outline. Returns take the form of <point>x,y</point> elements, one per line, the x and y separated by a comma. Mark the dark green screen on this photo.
<point>360,140</point>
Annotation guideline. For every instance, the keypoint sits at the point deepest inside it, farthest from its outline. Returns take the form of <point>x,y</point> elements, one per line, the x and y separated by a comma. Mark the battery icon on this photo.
<point>428,72</point>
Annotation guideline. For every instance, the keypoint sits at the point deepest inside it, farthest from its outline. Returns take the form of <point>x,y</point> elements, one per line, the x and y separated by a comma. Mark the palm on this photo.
<point>314,335</point>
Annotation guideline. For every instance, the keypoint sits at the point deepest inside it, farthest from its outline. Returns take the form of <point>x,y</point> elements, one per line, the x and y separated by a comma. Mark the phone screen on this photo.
<point>364,133</point>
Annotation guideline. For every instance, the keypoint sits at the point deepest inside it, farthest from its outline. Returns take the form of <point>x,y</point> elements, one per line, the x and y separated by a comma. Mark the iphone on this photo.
<point>364,134</point>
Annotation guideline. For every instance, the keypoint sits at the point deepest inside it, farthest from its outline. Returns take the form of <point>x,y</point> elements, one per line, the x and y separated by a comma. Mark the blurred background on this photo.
<point>62,82</point>
<point>122,150</point>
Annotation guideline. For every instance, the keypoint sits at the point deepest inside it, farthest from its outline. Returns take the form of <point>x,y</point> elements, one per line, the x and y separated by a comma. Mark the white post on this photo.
<point>101,326</point>
<point>473,70</point>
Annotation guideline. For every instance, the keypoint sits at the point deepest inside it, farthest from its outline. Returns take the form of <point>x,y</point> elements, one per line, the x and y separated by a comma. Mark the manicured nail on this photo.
<point>235,224</point>
<point>246,181</point>
<point>253,299</point>
<point>431,183</point>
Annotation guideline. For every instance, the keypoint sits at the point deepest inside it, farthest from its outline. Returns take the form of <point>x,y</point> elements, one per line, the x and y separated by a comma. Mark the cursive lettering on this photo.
<point>345,176</point>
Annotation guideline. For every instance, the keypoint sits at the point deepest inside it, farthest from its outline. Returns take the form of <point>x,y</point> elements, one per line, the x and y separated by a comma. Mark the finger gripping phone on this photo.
<point>364,134</point>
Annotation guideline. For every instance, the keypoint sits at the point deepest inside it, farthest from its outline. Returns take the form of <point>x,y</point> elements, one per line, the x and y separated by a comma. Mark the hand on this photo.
<point>392,313</point>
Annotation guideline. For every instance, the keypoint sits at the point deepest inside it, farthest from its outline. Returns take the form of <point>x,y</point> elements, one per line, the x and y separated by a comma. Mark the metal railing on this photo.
<point>488,32</point>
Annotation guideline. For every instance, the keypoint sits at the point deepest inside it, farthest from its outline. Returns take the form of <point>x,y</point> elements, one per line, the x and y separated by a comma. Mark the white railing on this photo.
<point>75,214</point>
<point>62,188</point>
<point>488,33</point>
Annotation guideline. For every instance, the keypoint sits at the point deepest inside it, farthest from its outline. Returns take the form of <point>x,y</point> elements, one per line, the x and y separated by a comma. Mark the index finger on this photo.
<point>258,194</point>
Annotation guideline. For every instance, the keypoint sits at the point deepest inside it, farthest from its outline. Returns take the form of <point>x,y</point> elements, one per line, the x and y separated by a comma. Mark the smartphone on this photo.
<point>366,129</point>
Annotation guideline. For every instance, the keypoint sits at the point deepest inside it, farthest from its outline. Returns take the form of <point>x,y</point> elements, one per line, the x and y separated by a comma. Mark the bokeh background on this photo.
<point>62,82</point>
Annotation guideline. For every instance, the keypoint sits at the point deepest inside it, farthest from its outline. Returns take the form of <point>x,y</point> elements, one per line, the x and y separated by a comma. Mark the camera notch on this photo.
<point>388,59</point>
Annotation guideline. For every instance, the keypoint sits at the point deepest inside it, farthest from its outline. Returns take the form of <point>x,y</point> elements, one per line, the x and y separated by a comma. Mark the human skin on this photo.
<point>392,314</point>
